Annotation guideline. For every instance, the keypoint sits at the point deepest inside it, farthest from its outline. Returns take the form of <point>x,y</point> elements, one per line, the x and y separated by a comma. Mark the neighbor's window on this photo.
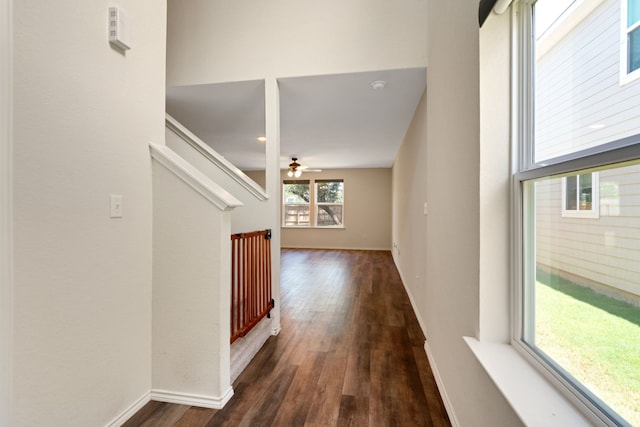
<point>578,153</point>
<point>580,195</point>
<point>631,35</point>
<point>329,203</point>
<point>296,203</point>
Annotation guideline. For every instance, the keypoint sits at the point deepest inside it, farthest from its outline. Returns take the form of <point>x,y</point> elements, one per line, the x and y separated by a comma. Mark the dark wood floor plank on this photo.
<point>435,405</point>
<point>350,353</point>
<point>196,417</point>
<point>165,416</point>
<point>354,411</point>
<point>144,413</point>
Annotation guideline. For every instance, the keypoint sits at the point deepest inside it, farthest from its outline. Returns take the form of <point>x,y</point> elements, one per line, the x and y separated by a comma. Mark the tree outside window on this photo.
<point>296,206</point>
<point>329,203</point>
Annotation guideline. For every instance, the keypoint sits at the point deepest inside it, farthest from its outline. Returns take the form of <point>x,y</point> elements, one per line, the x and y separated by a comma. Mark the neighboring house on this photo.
<point>587,223</point>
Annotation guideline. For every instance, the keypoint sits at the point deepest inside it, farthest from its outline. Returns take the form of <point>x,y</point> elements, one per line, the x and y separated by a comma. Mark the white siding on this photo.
<point>578,86</point>
<point>604,250</point>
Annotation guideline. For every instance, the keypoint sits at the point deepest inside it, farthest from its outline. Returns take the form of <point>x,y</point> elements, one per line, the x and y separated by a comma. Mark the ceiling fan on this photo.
<point>296,169</point>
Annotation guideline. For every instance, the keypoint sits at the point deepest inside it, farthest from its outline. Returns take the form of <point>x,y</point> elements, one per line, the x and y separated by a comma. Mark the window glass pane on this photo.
<point>329,203</point>
<point>329,215</point>
<point>296,215</point>
<point>585,191</point>
<point>583,286</point>
<point>296,204</point>
<point>634,50</point>
<point>579,101</point>
<point>296,192</point>
<point>633,12</point>
<point>330,192</point>
<point>547,14</point>
<point>572,193</point>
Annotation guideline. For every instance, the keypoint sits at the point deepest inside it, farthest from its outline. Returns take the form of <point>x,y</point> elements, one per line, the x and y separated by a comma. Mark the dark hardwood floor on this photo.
<point>350,353</point>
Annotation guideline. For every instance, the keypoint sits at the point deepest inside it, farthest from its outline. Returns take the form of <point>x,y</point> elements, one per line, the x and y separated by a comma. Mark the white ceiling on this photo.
<point>328,122</point>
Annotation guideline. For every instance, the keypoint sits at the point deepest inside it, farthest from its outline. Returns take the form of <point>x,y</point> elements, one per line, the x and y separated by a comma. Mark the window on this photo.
<point>580,195</point>
<point>631,36</point>
<point>577,291</point>
<point>329,203</point>
<point>296,197</point>
<point>322,200</point>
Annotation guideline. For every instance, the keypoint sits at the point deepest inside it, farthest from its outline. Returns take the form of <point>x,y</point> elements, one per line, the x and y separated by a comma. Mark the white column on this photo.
<point>273,184</point>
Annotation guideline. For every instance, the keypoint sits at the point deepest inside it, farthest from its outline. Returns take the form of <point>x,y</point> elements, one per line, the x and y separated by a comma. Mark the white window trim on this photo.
<point>594,212</point>
<point>533,398</point>
<point>316,204</point>
<point>626,78</point>
<point>284,204</point>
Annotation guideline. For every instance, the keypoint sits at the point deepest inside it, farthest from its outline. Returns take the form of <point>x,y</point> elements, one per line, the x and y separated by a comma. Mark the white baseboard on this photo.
<point>130,411</point>
<point>334,248</point>
<point>434,368</point>
<point>244,349</point>
<point>441,389</point>
<point>411,299</point>
<point>213,402</point>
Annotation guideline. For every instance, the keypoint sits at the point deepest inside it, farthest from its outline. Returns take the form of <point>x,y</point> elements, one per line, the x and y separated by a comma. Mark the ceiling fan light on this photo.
<point>297,173</point>
<point>290,173</point>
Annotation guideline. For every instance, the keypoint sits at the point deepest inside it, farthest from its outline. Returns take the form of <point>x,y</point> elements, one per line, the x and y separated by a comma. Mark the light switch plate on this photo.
<point>116,206</point>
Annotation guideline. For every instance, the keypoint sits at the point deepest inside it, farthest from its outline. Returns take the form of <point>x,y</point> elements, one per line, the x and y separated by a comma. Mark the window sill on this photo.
<point>536,401</point>
<point>293,227</point>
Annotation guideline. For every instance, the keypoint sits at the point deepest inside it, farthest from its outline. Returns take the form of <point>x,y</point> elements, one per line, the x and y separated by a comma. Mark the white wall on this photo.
<point>409,194</point>
<point>244,218</point>
<point>83,115</point>
<point>235,41</point>
<point>495,179</point>
<point>442,148</point>
<point>453,234</point>
<point>6,286</point>
<point>191,339</point>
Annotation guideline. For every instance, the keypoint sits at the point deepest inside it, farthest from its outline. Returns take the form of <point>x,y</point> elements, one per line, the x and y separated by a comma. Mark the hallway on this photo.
<point>350,353</point>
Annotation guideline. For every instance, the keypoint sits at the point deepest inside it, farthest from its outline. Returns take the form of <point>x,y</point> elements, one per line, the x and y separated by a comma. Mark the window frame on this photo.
<point>313,205</point>
<point>524,172</point>
<point>317,204</point>
<point>625,30</point>
<point>285,204</point>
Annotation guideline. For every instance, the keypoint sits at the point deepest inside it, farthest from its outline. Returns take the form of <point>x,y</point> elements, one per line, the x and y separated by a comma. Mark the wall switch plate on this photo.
<point>116,206</point>
<point>425,208</point>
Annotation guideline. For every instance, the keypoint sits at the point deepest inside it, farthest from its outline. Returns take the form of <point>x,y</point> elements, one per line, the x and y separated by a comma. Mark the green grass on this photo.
<point>595,338</point>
